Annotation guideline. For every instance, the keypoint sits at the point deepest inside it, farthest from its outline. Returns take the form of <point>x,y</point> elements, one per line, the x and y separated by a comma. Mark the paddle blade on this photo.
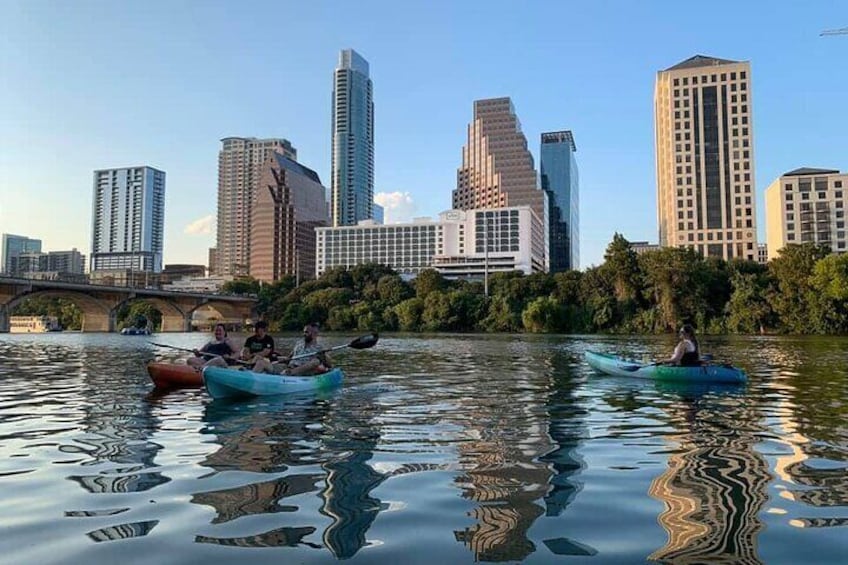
<point>364,342</point>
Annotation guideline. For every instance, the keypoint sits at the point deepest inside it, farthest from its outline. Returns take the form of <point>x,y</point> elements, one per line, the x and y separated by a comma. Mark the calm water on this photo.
<point>446,449</point>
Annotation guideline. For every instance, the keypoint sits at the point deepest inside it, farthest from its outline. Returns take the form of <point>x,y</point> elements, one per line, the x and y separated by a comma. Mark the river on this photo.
<point>437,449</point>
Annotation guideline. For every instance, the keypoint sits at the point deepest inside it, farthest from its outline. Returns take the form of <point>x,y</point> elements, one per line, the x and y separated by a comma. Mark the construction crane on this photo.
<point>841,31</point>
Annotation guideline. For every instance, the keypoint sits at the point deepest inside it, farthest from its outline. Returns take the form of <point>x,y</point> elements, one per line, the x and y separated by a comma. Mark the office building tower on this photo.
<point>560,180</point>
<point>454,244</point>
<point>70,262</point>
<point>239,162</point>
<point>705,157</point>
<point>13,246</point>
<point>128,215</point>
<point>352,182</point>
<point>379,214</point>
<point>290,204</point>
<point>497,168</point>
<point>807,206</point>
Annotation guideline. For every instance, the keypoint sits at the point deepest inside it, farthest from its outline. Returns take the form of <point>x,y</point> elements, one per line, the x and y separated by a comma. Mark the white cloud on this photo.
<point>397,206</point>
<point>202,226</point>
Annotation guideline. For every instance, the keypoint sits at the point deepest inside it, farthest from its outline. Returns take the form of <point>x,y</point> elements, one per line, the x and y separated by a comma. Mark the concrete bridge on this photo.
<point>100,304</point>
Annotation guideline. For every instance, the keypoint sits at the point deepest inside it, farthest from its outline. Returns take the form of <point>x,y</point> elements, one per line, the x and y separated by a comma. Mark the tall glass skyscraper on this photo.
<point>352,181</point>
<point>561,181</point>
<point>128,214</point>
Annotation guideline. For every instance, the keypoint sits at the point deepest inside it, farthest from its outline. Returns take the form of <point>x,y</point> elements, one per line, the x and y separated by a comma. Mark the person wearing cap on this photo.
<point>259,348</point>
<point>686,352</point>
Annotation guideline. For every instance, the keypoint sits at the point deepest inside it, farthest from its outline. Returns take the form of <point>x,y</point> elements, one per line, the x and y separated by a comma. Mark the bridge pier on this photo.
<point>4,318</point>
<point>99,321</point>
<point>176,323</point>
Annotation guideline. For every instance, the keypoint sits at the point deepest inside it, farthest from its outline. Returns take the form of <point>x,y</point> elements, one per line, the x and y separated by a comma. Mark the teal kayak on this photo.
<point>705,373</point>
<point>229,383</point>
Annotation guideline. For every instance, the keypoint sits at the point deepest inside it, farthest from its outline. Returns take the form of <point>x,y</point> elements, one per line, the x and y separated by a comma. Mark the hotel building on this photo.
<point>460,244</point>
<point>806,206</point>
<point>352,167</point>
<point>239,164</point>
<point>128,215</point>
<point>497,168</point>
<point>290,204</point>
<point>705,157</point>
<point>561,181</point>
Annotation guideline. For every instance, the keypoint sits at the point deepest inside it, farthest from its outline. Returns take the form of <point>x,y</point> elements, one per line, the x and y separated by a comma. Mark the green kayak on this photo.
<point>230,383</point>
<point>704,373</point>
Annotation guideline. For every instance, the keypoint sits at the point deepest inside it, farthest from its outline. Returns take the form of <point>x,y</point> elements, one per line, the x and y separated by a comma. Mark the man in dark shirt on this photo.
<point>259,347</point>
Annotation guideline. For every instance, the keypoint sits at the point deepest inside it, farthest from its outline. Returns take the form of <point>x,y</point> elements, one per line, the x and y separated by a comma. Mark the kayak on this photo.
<point>172,375</point>
<point>705,373</point>
<point>228,383</point>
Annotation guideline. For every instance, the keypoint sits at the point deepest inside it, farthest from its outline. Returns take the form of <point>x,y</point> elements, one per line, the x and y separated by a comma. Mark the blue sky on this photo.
<point>97,84</point>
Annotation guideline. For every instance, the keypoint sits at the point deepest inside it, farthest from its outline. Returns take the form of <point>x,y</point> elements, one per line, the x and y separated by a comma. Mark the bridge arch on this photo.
<point>97,315</point>
<point>174,319</point>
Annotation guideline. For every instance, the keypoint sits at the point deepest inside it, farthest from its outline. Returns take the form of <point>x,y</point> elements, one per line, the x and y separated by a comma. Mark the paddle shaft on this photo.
<point>363,342</point>
<point>305,355</point>
<point>196,352</point>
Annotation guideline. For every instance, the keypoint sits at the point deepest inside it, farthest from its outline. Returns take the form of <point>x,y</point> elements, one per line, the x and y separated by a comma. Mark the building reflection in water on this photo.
<point>508,472</point>
<point>715,485</point>
<point>116,432</point>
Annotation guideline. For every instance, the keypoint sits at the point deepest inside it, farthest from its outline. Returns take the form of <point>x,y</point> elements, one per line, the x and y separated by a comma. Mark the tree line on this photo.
<point>803,291</point>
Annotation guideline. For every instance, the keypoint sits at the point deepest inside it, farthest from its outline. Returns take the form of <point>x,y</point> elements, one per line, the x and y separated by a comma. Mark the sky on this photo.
<point>88,85</point>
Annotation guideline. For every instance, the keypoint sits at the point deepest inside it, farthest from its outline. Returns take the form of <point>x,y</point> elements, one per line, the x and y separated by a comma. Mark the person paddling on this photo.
<point>258,348</point>
<point>311,364</point>
<point>220,349</point>
<point>686,353</point>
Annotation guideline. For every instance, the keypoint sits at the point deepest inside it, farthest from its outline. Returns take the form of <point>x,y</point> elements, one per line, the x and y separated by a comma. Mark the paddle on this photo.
<point>705,359</point>
<point>364,342</point>
<point>201,353</point>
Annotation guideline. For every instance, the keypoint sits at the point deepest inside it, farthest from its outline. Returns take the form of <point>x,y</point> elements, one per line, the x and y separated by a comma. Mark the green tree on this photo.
<point>427,281</point>
<point>393,289</point>
<point>409,313</point>
<point>748,310</point>
<point>244,286</point>
<point>794,299</point>
<point>543,314</point>
<point>623,265</point>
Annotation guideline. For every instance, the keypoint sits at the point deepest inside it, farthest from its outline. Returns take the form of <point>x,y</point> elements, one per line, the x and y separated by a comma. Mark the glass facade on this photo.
<point>560,180</point>
<point>15,245</point>
<point>352,183</point>
<point>128,219</point>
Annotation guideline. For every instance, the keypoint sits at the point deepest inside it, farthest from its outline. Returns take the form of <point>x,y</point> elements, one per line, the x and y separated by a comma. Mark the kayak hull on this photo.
<point>707,373</point>
<point>171,375</point>
<point>232,383</point>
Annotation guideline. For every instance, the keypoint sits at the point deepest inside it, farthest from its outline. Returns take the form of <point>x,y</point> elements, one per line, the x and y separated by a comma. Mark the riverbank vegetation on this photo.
<point>804,291</point>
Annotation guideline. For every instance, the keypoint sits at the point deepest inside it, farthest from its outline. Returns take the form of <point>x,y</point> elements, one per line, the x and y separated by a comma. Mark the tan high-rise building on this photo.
<point>705,157</point>
<point>497,168</point>
<point>290,203</point>
<point>239,162</point>
<point>807,206</point>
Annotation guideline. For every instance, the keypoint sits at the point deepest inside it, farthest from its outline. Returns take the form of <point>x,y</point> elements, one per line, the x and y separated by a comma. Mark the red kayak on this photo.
<point>171,375</point>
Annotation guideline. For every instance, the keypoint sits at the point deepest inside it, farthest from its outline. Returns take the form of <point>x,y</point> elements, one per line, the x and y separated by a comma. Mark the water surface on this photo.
<point>450,449</point>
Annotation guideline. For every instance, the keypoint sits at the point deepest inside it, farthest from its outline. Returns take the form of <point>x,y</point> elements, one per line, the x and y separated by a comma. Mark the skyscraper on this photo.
<point>290,204</point>
<point>561,181</point>
<point>497,168</point>
<point>13,246</point>
<point>128,215</point>
<point>239,162</point>
<point>352,181</point>
<point>705,157</point>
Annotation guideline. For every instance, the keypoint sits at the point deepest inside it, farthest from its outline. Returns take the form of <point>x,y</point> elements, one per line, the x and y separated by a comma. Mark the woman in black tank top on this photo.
<point>687,353</point>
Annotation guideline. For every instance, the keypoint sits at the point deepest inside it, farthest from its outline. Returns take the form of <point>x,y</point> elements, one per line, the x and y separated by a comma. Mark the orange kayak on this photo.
<point>171,375</point>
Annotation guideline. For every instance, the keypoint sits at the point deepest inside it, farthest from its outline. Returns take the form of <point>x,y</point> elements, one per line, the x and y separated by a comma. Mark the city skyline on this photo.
<point>85,123</point>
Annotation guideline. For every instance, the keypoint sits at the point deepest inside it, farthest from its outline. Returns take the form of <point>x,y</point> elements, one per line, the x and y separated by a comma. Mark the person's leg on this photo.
<point>216,362</point>
<point>308,368</point>
<point>262,365</point>
<point>196,362</point>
